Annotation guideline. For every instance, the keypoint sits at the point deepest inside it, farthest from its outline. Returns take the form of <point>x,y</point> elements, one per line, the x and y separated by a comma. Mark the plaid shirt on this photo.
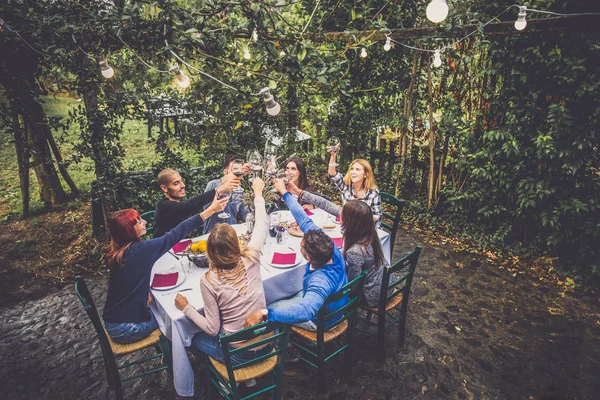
<point>372,197</point>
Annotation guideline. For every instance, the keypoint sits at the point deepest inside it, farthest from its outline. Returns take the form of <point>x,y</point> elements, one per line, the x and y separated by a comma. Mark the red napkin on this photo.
<point>337,219</point>
<point>280,258</point>
<point>339,242</point>
<point>308,212</point>
<point>181,246</point>
<point>164,280</point>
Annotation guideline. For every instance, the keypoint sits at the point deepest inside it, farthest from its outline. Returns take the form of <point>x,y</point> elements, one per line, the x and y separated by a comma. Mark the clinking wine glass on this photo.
<point>255,160</point>
<point>222,195</point>
<point>272,166</point>
<point>237,168</point>
<point>333,145</point>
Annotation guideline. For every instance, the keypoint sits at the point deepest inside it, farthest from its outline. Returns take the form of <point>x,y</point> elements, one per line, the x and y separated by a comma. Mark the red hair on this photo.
<point>121,225</point>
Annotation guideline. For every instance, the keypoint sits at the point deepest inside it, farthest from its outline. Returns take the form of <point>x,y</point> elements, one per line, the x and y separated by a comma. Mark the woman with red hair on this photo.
<point>127,317</point>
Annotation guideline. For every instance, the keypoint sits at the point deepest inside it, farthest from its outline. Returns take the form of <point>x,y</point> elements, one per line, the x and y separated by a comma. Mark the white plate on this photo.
<point>180,279</point>
<point>283,251</point>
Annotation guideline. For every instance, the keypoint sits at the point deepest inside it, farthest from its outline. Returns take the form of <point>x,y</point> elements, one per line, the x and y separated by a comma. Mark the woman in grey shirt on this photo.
<point>362,249</point>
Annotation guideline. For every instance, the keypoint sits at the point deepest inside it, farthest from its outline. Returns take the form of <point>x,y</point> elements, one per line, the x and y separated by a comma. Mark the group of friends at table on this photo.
<point>232,289</point>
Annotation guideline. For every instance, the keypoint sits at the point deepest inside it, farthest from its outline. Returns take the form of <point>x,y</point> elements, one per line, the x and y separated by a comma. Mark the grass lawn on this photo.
<point>139,155</point>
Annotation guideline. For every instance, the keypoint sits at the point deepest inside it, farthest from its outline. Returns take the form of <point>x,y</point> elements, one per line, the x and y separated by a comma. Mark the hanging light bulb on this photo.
<point>273,107</point>
<point>182,80</point>
<point>247,54</point>
<point>437,11</point>
<point>254,35</point>
<point>521,22</point>
<point>388,43</point>
<point>363,52</point>
<point>105,69</point>
<point>437,59</point>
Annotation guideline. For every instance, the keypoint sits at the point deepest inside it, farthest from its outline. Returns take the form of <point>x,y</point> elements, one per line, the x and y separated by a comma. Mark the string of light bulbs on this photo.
<point>437,11</point>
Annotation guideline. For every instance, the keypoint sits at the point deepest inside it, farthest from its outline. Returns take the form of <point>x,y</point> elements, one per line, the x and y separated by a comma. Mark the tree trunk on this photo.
<point>90,92</point>
<point>51,190</point>
<point>61,166</point>
<point>431,182</point>
<point>405,119</point>
<point>22,160</point>
<point>18,76</point>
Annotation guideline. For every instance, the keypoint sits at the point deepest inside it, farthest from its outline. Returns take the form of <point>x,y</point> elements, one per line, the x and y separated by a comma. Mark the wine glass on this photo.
<point>271,166</point>
<point>224,194</point>
<point>270,150</point>
<point>333,144</point>
<point>255,160</point>
<point>237,168</point>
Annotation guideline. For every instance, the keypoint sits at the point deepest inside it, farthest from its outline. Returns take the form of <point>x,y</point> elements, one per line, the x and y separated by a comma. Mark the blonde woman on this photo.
<point>232,288</point>
<point>358,184</point>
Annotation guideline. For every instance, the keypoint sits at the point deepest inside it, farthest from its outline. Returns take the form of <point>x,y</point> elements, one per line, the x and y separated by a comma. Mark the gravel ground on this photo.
<point>473,331</point>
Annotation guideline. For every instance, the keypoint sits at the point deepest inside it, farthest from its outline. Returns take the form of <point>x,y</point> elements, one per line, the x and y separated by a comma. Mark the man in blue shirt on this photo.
<point>325,274</point>
<point>236,208</point>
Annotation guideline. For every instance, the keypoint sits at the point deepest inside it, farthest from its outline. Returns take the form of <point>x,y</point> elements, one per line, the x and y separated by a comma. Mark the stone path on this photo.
<point>474,331</point>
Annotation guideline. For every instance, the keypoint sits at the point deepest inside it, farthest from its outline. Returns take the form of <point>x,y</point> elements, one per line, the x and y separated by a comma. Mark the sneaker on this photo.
<point>250,383</point>
<point>292,356</point>
<point>224,388</point>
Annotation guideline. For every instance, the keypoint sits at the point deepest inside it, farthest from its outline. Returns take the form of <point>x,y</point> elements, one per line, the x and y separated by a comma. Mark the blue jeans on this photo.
<point>129,332</point>
<point>211,346</point>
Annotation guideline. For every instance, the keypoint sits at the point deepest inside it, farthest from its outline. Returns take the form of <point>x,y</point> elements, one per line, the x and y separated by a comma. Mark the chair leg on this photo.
<point>402,331</point>
<point>118,391</point>
<point>167,354</point>
<point>381,337</point>
<point>350,348</point>
<point>278,391</point>
<point>321,374</point>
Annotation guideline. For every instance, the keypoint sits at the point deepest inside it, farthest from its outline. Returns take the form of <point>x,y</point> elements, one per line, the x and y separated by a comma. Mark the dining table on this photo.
<point>279,282</point>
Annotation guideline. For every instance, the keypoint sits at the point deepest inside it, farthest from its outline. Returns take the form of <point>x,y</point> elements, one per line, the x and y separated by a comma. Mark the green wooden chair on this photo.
<point>311,345</point>
<point>112,351</point>
<point>149,218</point>
<point>225,377</point>
<point>393,302</point>
<point>391,221</point>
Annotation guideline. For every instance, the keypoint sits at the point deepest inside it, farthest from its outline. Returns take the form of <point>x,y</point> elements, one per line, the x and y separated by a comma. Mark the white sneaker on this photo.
<point>250,383</point>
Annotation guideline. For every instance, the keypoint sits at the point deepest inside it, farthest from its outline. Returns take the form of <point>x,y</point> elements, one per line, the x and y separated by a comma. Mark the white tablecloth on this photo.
<point>278,284</point>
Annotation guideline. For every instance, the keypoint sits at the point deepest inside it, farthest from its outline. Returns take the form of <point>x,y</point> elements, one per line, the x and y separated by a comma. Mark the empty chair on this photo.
<point>393,301</point>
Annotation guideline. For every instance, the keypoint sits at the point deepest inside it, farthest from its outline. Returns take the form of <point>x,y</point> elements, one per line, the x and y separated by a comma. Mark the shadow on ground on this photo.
<point>474,331</point>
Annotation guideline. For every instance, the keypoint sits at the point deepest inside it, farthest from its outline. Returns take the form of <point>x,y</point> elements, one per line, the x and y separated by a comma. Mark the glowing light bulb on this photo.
<point>388,44</point>
<point>182,80</point>
<point>247,54</point>
<point>521,22</point>
<point>105,69</point>
<point>437,11</point>
<point>254,35</point>
<point>363,52</point>
<point>437,59</point>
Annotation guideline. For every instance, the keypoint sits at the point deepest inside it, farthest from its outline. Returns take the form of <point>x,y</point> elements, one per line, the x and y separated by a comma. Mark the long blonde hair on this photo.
<point>223,248</point>
<point>369,181</point>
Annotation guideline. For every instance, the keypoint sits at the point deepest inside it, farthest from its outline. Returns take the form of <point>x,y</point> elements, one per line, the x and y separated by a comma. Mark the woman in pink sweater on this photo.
<point>232,288</point>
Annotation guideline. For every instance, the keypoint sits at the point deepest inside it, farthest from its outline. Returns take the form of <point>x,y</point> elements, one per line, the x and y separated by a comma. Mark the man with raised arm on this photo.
<point>237,207</point>
<point>172,209</point>
<point>324,275</point>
